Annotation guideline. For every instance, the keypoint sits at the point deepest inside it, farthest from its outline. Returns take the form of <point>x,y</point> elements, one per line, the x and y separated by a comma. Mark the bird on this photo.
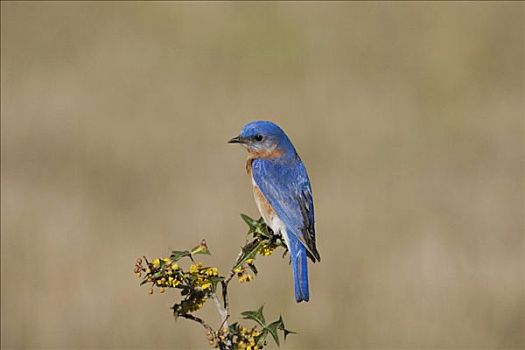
<point>283,194</point>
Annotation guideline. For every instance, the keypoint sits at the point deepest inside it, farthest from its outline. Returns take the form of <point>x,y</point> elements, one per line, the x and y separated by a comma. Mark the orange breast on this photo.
<point>263,205</point>
<point>263,154</point>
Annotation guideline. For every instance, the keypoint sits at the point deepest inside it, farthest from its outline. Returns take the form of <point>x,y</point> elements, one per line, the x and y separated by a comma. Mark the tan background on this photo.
<point>409,118</point>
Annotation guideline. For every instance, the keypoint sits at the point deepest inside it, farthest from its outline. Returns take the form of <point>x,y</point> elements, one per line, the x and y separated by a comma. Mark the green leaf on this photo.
<point>258,227</point>
<point>262,230</point>
<point>272,329</point>
<point>283,328</point>
<point>158,274</point>
<point>256,316</point>
<point>176,255</point>
<point>202,248</point>
<point>232,327</point>
<point>248,220</point>
<point>261,338</point>
<point>276,326</point>
<point>249,251</point>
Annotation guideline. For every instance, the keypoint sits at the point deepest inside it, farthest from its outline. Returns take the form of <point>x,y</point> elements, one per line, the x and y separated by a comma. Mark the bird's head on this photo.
<point>265,139</point>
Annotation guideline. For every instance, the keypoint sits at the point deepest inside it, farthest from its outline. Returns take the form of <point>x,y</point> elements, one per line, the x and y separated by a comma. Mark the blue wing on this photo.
<point>287,188</point>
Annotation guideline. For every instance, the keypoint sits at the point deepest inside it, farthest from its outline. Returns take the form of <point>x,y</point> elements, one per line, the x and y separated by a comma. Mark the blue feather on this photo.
<point>283,183</point>
<point>299,269</point>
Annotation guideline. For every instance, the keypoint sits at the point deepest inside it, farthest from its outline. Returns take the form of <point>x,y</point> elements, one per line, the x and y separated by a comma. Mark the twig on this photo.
<point>224,287</point>
<point>222,311</point>
<point>232,273</point>
<point>198,320</point>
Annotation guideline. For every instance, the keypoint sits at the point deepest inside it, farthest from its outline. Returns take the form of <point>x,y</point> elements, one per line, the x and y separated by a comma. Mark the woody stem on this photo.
<point>198,320</point>
<point>223,311</point>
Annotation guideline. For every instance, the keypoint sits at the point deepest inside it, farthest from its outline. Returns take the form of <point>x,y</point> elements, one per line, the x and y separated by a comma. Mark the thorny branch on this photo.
<point>200,283</point>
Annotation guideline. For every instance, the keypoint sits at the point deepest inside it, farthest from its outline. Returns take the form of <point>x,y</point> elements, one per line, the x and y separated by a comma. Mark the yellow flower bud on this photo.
<point>194,268</point>
<point>156,262</point>
<point>245,278</point>
<point>266,252</point>
<point>212,271</point>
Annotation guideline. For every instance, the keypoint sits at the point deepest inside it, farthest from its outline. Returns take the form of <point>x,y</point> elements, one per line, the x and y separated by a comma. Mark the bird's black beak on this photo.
<point>237,139</point>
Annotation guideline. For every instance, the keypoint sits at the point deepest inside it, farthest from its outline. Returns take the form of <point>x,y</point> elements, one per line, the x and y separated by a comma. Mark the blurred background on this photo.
<point>408,116</point>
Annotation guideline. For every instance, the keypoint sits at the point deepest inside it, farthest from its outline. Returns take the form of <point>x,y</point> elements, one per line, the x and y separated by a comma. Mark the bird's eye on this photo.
<point>258,137</point>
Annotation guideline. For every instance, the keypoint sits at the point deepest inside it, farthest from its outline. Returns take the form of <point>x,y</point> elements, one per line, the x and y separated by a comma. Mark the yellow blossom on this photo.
<point>206,285</point>
<point>212,271</point>
<point>194,268</point>
<point>156,262</point>
<point>246,277</point>
<point>266,250</point>
<point>174,266</point>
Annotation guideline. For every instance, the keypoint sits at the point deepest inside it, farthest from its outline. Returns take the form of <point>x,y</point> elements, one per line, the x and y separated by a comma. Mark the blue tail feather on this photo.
<point>299,269</point>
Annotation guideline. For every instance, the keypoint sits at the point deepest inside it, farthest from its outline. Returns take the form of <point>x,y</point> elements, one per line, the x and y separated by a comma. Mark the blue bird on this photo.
<point>283,194</point>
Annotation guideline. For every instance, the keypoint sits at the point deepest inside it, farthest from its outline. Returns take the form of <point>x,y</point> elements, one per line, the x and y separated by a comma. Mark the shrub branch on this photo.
<point>199,283</point>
